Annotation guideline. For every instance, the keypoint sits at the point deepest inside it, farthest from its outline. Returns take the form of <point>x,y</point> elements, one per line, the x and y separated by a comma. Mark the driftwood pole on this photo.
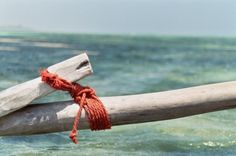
<point>21,95</point>
<point>59,116</point>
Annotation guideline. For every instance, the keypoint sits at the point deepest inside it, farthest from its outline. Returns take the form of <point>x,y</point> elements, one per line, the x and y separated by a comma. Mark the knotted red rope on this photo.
<point>85,97</point>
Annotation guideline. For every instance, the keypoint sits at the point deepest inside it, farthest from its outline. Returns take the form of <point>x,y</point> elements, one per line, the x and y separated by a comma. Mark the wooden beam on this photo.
<point>59,116</point>
<point>21,95</point>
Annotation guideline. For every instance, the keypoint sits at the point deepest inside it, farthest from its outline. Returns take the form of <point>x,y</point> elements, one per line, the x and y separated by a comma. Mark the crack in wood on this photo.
<point>83,64</point>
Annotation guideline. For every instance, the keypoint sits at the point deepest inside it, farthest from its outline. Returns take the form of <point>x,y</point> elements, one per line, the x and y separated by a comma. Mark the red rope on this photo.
<point>85,97</point>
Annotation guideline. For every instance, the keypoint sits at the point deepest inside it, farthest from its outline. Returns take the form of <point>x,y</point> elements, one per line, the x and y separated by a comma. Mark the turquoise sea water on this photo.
<point>127,65</point>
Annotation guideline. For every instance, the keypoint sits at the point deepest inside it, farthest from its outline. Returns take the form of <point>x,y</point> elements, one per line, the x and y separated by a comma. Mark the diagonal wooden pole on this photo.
<point>21,95</point>
<point>59,116</point>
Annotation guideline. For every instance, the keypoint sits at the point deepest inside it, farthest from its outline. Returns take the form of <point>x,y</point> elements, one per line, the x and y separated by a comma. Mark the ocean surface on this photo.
<point>126,65</point>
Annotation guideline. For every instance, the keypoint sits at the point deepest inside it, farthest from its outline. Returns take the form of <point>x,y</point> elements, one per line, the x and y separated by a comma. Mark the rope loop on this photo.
<point>85,97</point>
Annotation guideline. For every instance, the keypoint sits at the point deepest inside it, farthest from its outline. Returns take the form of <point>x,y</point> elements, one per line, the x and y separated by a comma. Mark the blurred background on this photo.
<point>135,46</point>
<point>146,17</point>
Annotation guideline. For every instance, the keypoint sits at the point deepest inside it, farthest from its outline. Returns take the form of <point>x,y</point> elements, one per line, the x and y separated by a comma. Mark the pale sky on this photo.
<point>156,17</point>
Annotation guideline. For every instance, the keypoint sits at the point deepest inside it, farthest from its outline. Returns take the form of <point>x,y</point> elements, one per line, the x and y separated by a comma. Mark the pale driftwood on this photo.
<point>59,116</point>
<point>21,95</point>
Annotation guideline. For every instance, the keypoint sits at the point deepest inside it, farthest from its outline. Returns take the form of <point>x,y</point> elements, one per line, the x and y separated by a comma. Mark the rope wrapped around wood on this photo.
<point>86,98</point>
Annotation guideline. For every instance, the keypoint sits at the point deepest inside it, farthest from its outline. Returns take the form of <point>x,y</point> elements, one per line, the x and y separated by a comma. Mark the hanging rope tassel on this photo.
<point>85,97</point>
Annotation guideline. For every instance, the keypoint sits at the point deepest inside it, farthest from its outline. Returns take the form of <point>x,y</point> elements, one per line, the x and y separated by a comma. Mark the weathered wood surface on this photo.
<point>21,95</point>
<point>59,116</point>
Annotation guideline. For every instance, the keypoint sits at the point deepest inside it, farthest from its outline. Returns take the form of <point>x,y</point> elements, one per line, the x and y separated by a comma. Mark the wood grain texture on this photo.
<point>21,95</point>
<point>59,116</point>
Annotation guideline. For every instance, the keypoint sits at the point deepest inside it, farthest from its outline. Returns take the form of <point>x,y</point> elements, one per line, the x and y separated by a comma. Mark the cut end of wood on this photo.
<point>85,64</point>
<point>74,68</point>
